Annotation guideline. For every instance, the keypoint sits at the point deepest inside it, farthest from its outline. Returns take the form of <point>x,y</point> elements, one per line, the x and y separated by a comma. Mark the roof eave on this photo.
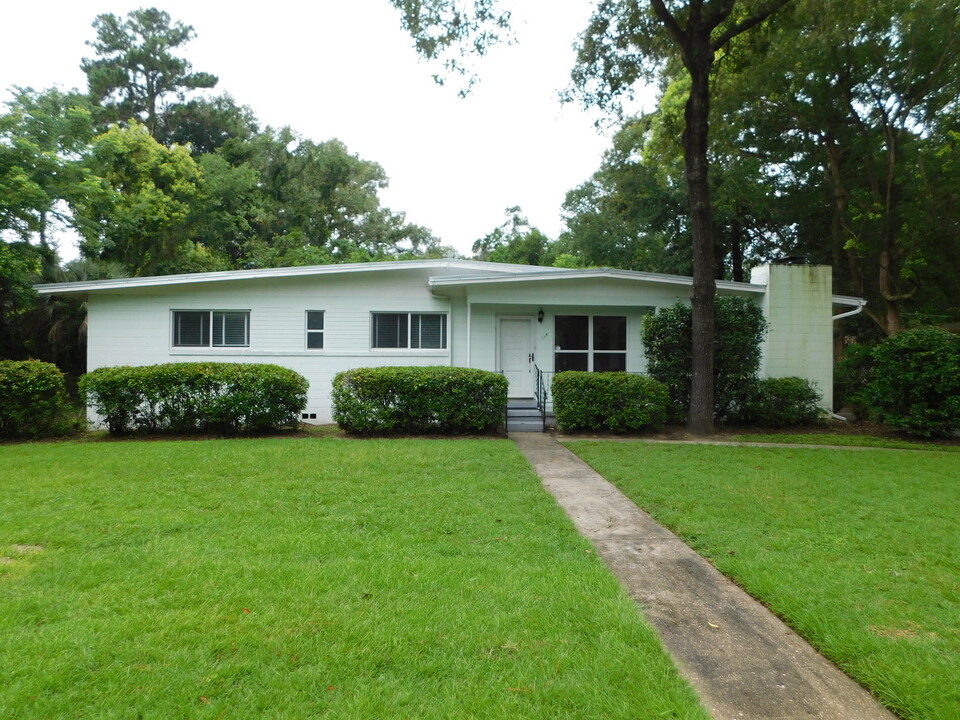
<point>587,274</point>
<point>266,273</point>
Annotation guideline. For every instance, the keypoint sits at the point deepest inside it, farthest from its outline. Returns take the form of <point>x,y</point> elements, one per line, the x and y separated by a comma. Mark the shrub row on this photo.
<point>195,397</point>
<point>33,400</point>
<point>611,402</point>
<point>618,402</point>
<point>435,399</point>
<point>913,382</point>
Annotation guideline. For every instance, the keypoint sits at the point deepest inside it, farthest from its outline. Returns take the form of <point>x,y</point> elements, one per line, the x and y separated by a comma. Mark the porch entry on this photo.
<point>515,354</point>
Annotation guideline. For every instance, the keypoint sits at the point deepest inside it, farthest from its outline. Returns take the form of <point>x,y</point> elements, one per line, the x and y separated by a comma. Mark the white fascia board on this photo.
<point>544,274</point>
<point>310,270</point>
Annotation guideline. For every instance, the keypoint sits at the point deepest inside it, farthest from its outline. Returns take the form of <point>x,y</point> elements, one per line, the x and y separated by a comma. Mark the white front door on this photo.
<point>516,355</point>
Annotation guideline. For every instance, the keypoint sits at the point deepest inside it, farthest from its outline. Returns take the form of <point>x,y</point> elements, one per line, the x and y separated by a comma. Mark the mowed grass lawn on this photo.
<point>302,578</point>
<point>859,551</point>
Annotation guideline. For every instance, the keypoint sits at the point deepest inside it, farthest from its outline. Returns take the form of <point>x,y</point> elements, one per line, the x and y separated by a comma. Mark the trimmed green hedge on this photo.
<point>435,399</point>
<point>915,383</point>
<point>33,400</point>
<point>196,397</point>
<point>784,402</point>
<point>612,402</point>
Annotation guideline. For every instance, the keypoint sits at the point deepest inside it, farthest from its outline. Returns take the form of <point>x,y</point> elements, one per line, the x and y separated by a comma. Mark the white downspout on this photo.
<point>850,313</point>
<point>469,334</point>
<point>856,311</point>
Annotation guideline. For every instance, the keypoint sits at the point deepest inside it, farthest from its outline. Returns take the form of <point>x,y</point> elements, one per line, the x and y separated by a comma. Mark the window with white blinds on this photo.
<point>211,328</point>
<point>417,331</point>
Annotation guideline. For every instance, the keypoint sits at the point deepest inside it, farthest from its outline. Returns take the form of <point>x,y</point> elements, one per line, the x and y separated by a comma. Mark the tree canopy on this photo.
<point>155,175</point>
<point>832,130</point>
<point>625,44</point>
<point>135,69</point>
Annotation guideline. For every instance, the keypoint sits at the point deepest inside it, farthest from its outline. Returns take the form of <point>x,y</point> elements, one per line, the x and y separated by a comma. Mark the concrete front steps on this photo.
<point>523,415</point>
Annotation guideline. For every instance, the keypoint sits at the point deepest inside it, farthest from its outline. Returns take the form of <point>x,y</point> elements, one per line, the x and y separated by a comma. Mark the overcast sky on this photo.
<point>345,69</point>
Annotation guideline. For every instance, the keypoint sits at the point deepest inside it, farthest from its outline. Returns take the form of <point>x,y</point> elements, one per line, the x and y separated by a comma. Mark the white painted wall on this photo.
<point>798,305</point>
<point>132,326</point>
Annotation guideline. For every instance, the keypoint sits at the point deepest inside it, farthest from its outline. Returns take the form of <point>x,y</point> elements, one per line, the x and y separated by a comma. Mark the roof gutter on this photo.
<point>860,305</point>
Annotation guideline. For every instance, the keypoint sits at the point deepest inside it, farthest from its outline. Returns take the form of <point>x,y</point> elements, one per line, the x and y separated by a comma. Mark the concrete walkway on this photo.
<point>744,662</point>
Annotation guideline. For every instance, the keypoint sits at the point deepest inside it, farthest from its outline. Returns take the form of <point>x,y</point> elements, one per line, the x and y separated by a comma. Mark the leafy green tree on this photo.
<point>20,267</point>
<point>54,328</point>
<point>135,69</point>
<point>630,214</point>
<point>320,203</point>
<point>627,42</point>
<point>624,44</point>
<point>138,209</point>
<point>207,124</point>
<point>515,241</point>
<point>843,103</point>
<point>42,138</point>
<point>667,344</point>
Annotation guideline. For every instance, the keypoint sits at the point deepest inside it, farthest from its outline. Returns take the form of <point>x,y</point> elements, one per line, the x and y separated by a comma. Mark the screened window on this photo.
<point>211,328</point>
<point>418,331</point>
<point>596,343</point>
<point>314,329</point>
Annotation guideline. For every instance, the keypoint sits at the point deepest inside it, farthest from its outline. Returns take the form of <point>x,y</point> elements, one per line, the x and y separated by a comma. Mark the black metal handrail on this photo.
<point>540,393</point>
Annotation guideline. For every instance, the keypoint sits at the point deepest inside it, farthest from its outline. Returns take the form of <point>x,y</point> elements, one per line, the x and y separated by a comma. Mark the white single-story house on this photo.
<point>524,321</point>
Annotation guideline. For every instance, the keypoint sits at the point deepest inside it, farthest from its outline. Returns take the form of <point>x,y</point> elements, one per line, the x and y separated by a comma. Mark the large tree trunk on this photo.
<point>700,420</point>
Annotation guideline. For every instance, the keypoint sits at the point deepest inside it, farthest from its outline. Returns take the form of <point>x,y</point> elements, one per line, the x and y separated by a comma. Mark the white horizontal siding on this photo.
<point>133,327</point>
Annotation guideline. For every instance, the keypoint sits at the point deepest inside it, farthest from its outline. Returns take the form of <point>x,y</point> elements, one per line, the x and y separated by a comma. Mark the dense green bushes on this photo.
<point>196,397</point>
<point>435,399</point>
<point>668,342</point>
<point>783,402</point>
<point>915,382</point>
<point>33,400</point>
<point>611,402</point>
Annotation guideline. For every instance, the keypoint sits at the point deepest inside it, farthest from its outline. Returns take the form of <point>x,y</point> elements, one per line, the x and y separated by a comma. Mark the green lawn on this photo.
<point>310,577</point>
<point>857,550</point>
<point>846,441</point>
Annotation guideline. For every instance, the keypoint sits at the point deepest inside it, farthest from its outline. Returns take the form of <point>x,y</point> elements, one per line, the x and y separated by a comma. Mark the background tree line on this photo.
<point>834,135</point>
<point>835,131</point>
<point>157,175</point>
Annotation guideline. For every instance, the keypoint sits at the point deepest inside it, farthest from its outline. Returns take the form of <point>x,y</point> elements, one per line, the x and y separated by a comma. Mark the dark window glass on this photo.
<point>314,329</point>
<point>191,328</point>
<point>610,333</point>
<point>572,332</point>
<point>609,362</point>
<point>570,361</point>
<point>314,320</point>
<point>390,330</point>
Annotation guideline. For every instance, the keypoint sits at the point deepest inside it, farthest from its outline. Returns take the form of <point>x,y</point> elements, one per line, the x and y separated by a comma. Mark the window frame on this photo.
<point>409,331</point>
<point>208,329</point>
<point>316,332</point>
<point>590,351</point>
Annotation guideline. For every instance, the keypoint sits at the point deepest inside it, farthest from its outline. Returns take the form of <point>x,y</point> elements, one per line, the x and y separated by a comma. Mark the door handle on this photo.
<point>530,357</point>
